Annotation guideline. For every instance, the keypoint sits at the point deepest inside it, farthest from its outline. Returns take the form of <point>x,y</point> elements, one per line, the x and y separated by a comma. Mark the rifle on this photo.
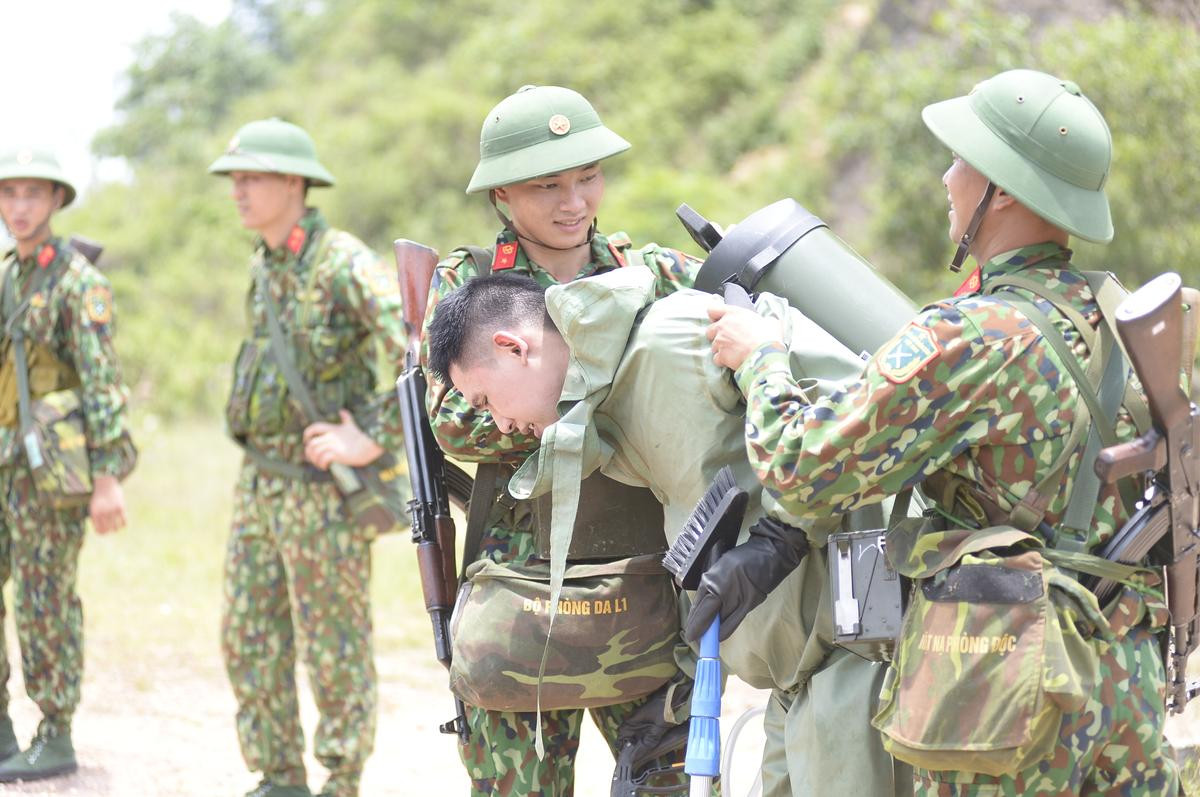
<point>433,479</point>
<point>87,247</point>
<point>1150,322</point>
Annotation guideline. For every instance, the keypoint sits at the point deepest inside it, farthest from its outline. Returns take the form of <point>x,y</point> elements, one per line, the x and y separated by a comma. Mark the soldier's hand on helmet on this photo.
<point>736,332</point>
<point>107,505</point>
<point>342,442</point>
<point>744,576</point>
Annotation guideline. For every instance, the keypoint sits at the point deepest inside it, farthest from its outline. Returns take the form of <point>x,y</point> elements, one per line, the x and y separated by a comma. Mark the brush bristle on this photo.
<point>677,558</point>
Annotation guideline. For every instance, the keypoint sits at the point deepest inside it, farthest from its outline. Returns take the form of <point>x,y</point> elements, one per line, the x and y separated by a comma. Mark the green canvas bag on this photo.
<point>997,643</point>
<point>615,631</point>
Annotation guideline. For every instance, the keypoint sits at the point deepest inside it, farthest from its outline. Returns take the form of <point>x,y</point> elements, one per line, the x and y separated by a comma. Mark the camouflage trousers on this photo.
<point>1114,745</point>
<point>820,740</point>
<point>39,548</point>
<point>499,754</point>
<point>297,576</point>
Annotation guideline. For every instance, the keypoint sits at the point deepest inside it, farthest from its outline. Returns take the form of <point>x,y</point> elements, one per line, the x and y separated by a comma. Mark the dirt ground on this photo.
<point>173,736</point>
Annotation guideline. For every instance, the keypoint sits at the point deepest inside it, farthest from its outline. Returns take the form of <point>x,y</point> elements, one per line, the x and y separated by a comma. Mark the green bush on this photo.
<point>729,105</point>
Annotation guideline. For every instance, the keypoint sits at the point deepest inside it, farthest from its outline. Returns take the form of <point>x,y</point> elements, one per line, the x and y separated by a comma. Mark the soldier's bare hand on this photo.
<point>736,331</point>
<point>107,507</point>
<point>343,442</point>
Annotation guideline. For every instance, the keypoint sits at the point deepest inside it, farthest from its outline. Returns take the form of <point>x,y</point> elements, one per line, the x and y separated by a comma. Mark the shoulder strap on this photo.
<point>482,259</point>
<point>1109,293</point>
<point>1106,365</point>
<point>483,495</point>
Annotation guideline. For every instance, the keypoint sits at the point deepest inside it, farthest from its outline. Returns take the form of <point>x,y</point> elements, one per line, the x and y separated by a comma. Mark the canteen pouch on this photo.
<point>614,634</point>
<point>259,403</point>
<point>56,449</point>
<point>996,644</point>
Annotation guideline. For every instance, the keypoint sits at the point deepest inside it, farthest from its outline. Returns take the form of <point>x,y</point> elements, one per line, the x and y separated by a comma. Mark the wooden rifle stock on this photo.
<point>415,264</point>
<point>1152,327</point>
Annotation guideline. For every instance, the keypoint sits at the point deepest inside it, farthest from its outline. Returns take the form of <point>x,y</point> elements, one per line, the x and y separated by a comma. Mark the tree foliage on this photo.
<point>729,104</point>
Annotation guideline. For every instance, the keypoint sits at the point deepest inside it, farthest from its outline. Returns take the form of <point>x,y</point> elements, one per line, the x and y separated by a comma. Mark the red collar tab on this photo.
<point>506,256</point>
<point>971,284</point>
<point>616,253</point>
<point>296,239</point>
<point>46,255</point>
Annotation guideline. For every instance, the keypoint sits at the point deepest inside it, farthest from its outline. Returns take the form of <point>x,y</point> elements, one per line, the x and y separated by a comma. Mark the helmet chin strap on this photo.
<point>508,225</point>
<point>972,228</point>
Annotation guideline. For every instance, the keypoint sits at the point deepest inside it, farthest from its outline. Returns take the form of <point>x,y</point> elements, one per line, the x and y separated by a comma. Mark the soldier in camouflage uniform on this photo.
<point>63,307</point>
<point>616,356</point>
<point>540,153</point>
<point>973,400</point>
<point>297,570</point>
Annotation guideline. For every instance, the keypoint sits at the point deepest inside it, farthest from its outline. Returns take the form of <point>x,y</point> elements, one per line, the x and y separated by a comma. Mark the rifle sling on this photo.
<point>279,347</point>
<point>279,467</point>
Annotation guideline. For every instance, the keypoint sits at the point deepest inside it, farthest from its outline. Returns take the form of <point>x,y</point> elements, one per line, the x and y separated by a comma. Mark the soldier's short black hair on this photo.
<point>464,321</point>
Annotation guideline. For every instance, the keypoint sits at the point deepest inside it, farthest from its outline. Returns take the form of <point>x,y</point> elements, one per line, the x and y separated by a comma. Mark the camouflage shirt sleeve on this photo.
<point>371,293</point>
<point>88,319</point>
<point>948,383</point>
<point>673,269</point>
<point>463,432</point>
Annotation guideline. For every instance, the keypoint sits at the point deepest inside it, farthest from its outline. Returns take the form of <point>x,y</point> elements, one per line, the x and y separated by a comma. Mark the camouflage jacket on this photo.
<point>631,356</point>
<point>470,435</point>
<point>336,301</point>
<point>72,314</point>
<point>970,387</point>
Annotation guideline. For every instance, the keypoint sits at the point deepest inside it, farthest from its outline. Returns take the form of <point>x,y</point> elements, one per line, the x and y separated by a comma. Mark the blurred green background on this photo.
<point>729,105</point>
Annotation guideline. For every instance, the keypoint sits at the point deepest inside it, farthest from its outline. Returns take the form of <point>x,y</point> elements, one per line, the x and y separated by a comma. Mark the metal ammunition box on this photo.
<point>868,595</point>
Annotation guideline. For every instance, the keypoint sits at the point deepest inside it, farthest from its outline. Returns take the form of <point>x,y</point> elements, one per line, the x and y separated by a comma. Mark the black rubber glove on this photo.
<point>744,576</point>
<point>646,725</point>
<point>646,735</point>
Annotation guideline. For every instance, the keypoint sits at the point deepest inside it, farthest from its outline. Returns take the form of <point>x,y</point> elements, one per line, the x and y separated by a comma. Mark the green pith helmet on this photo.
<point>540,130</point>
<point>273,145</point>
<point>31,163</point>
<point>1039,139</point>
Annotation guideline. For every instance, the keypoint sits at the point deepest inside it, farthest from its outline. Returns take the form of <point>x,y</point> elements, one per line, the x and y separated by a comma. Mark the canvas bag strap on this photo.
<point>568,473</point>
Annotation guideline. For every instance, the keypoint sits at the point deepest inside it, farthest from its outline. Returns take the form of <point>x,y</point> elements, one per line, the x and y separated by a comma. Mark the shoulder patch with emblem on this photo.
<point>908,353</point>
<point>97,303</point>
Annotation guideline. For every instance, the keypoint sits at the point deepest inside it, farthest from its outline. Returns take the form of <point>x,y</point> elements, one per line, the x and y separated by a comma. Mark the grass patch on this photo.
<point>152,592</point>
